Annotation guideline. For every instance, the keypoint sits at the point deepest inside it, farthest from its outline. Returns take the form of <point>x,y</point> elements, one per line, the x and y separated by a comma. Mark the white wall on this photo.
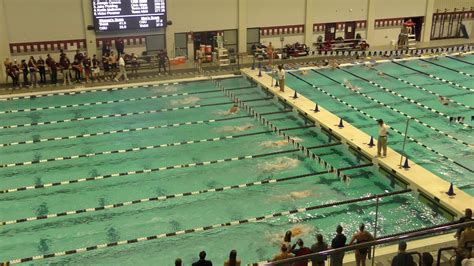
<point>267,13</point>
<point>385,36</point>
<point>203,15</point>
<point>44,20</point>
<point>452,4</point>
<point>338,10</point>
<point>399,8</point>
<point>289,39</point>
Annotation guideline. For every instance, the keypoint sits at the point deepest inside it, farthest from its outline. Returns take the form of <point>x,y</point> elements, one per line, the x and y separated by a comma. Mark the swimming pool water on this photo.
<point>140,155</point>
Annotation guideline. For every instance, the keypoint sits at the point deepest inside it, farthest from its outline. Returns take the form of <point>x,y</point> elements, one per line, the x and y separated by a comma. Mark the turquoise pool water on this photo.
<point>404,82</point>
<point>91,157</point>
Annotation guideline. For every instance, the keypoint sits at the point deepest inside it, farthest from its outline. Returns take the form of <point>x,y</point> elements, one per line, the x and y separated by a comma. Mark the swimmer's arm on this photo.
<point>352,240</point>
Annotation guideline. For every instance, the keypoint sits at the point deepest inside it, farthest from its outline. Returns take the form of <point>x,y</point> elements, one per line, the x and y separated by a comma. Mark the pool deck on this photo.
<point>417,177</point>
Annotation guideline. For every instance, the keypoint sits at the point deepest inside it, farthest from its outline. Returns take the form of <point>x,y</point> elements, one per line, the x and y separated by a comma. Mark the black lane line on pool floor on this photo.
<point>132,130</point>
<point>114,101</point>
<point>398,111</point>
<point>184,194</point>
<point>457,59</point>
<point>280,132</point>
<point>159,169</point>
<point>448,68</point>
<point>375,119</point>
<point>125,114</point>
<point>207,228</point>
<point>433,76</point>
<point>136,149</point>
<point>424,89</point>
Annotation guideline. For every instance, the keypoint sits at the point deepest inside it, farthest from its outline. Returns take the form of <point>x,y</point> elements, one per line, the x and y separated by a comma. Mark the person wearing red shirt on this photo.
<point>300,251</point>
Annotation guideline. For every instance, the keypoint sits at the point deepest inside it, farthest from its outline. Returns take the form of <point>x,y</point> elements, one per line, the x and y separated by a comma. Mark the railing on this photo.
<point>379,241</point>
<point>467,245</point>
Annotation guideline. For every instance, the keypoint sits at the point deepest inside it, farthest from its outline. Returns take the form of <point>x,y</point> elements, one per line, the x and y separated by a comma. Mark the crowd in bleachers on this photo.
<point>464,255</point>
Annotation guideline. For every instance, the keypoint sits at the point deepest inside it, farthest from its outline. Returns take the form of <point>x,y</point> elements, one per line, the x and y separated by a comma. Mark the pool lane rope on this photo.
<point>434,77</point>
<point>206,228</point>
<point>424,89</point>
<point>396,110</point>
<point>280,132</point>
<point>88,135</point>
<point>445,67</point>
<point>173,196</point>
<point>137,149</point>
<point>157,169</point>
<point>84,91</point>
<point>375,119</point>
<point>121,115</point>
<point>457,59</point>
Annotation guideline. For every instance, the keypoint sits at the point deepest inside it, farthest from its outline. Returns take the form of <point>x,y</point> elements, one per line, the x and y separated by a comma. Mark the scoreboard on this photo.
<point>116,15</point>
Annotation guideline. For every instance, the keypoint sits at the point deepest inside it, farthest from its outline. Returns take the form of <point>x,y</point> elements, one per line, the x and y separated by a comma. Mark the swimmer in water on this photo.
<point>297,230</point>
<point>304,72</point>
<point>234,109</point>
<point>444,100</point>
<point>277,143</point>
<point>381,74</point>
<point>295,195</point>
<point>334,64</point>
<point>279,164</point>
<point>234,128</point>
<point>350,86</point>
<point>185,101</point>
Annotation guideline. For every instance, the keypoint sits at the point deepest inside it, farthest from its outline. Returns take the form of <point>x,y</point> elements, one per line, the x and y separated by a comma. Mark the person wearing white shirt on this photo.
<point>383,138</point>
<point>122,70</point>
<point>281,78</point>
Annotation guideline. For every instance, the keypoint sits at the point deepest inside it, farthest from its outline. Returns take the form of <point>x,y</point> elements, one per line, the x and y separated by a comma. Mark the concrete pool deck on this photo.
<point>418,178</point>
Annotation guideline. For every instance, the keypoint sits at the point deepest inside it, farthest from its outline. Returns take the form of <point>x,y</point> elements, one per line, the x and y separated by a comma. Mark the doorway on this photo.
<point>204,38</point>
<point>349,33</point>
<point>330,32</point>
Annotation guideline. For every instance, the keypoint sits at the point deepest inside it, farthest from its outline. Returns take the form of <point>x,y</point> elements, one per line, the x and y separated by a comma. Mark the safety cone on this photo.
<point>341,124</point>
<point>371,142</point>
<point>295,95</point>
<point>405,165</point>
<point>316,108</point>
<point>451,190</point>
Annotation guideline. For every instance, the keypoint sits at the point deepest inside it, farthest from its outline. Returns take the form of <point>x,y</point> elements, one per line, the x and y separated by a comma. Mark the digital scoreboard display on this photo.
<point>116,15</point>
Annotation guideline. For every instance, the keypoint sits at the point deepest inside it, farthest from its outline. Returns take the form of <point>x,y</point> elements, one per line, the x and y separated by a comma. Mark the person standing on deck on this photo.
<point>383,138</point>
<point>281,78</point>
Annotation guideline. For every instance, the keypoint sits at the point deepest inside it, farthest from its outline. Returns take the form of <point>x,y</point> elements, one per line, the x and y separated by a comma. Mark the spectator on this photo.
<point>32,67</point>
<point>13,72</point>
<point>319,246</point>
<point>466,218</point>
<point>77,68</point>
<point>120,46</point>
<point>162,60</point>
<point>123,70</point>
<point>78,56</point>
<point>135,64</point>
<point>233,261</point>
<point>300,251</point>
<point>86,62</point>
<point>281,78</point>
<point>106,64</point>
<point>66,67</point>
<point>178,261</point>
<point>202,260</point>
<point>270,52</point>
<point>462,252</point>
<point>95,68</point>
<point>42,70</point>
<point>283,254</point>
<point>24,68</point>
<point>338,241</point>
<point>360,237</point>
<point>113,63</point>
<point>106,47</point>
<point>287,239</point>
<point>426,259</point>
<point>403,258</point>
<point>53,70</point>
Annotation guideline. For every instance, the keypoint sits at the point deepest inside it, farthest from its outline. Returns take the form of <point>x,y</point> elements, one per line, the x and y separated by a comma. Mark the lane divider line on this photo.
<point>105,102</point>
<point>85,91</point>
<point>206,228</point>
<point>426,90</point>
<point>375,119</point>
<point>434,77</point>
<point>279,132</point>
<point>122,115</point>
<point>394,109</point>
<point>152,170</point>
<point>136,149</point>
<point>179,195</point>
<point>448,68</point>
<point>457,59</point>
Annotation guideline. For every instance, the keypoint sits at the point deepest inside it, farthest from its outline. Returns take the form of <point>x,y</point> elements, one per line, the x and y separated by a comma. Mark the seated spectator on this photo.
<point>426,259</point>
<point>319,246</point>
<point>463,251</point>
<point>178,262</point>
<point>202,260</point>
<point>232,261</point>
<point>300,251</point>
<point>360,237</point>
<point>466,218</point>
<point>283,254</point>
<point>403,258</point>
<point>338,241</point>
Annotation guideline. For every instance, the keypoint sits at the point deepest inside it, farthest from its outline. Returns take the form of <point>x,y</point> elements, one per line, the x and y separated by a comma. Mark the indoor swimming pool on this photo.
<point>148,174</point>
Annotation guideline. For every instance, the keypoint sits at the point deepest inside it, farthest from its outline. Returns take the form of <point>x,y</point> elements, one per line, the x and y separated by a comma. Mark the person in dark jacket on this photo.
<point>403,258</point>
<point>338,241</point>
<point>202,260</point>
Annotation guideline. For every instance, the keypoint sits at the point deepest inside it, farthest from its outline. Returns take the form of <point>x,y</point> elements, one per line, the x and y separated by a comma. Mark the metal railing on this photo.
<point>382,240</point>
